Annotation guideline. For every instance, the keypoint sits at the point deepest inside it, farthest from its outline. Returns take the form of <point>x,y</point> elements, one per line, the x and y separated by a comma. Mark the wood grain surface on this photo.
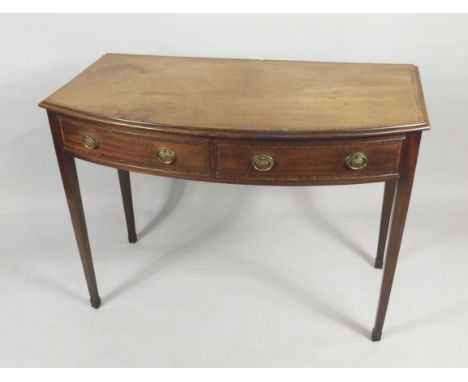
<point>245,95</point>
<point>214,118</point>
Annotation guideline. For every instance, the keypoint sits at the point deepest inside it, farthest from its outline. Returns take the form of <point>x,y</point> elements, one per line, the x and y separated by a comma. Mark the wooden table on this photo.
<point>246,122</point>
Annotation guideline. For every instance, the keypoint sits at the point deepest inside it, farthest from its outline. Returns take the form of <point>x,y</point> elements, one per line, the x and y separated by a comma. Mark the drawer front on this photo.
<point>110,146</point>
<point>349,159</point>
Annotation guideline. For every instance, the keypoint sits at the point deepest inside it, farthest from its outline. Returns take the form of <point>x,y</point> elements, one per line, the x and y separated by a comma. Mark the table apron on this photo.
<point>299,162</point>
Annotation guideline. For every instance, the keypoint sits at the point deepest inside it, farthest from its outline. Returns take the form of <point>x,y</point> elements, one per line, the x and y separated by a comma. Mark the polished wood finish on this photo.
<point>400,210</point>
<point>387,204</point>
<point>209,118</point>
<point>246,95</point>
<point>126,190</point>
<point>135,149</point>
<point>67,166</point>
<point>307,160</point>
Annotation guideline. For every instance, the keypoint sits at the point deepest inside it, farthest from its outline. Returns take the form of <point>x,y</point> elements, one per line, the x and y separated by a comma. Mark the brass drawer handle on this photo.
<point>262,162</point>
<point>90,142</point>
<point>166,156</point>
<point>356,161</point>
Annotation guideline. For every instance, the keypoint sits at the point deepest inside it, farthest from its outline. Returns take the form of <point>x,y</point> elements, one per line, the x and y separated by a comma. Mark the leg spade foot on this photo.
<point>376,336</point>
<point>378,264</point>
<point>95,302</point>
<point>132,237</point>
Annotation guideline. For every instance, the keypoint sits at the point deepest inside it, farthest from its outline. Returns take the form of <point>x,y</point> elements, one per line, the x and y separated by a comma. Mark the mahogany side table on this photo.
<point>246,122</point>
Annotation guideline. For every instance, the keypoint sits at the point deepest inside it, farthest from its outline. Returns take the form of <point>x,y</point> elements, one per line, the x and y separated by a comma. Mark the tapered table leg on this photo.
<point>126,190</point>
<point>389,195</point>
<point>400,209</point>
<point>67,167</point>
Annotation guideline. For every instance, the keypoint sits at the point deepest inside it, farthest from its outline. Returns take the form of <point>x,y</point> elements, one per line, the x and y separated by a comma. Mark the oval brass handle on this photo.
<point>262,162</point>
<point>166,156</point>
<point>90,142</point>
<point>356,161</point>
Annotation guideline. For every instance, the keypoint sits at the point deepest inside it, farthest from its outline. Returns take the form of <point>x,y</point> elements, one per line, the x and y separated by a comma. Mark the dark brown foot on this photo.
<point>95,302</point>
<point>132,238</point>
<point>378,264</point>
<point>376,336</point>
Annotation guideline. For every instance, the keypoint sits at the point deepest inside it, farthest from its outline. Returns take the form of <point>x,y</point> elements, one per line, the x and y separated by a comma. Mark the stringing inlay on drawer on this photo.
<point>155,151</point>
<point>313,160</point>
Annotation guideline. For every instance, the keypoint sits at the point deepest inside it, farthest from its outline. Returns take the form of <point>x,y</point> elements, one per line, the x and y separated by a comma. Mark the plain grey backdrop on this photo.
<point>227,275</point>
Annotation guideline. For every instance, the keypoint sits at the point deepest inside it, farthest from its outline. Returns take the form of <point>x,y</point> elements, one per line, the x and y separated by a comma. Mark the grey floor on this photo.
<point>226,275</point>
